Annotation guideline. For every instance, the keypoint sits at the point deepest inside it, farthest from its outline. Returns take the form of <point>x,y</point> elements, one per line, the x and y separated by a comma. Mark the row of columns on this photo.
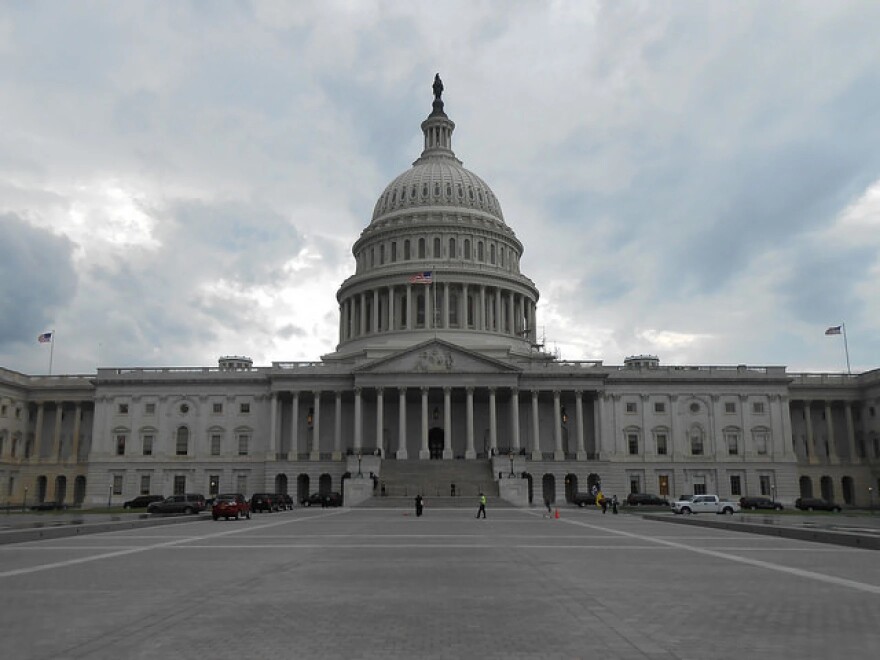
<point>519,312</point>
<point>56,433</point>
<point>811,446</point>
<point>424,451</point>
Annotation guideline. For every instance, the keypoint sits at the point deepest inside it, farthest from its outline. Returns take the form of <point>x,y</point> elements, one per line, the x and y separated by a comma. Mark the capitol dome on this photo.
<point>437,260</point>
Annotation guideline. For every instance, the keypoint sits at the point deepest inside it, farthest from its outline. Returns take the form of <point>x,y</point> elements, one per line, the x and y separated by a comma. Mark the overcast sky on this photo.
<point>184,180</point>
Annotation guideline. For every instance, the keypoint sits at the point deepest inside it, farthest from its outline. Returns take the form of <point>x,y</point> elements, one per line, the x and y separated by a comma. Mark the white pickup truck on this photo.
<point>705,504</point>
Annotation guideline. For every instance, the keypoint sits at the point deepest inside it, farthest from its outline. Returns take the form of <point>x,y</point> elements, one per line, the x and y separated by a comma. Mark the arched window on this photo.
<point>438,250</point>
<point>182,445</point>
<point>492,254</point>
<point>467,248</point>
<point>420,310</point>
<point>452,254</point>
<point>406,255</point>
<point>696,437</point>
<point>453,309</point>
<point>481,256</point>
<point>501,256</point>
<point>421,248</point>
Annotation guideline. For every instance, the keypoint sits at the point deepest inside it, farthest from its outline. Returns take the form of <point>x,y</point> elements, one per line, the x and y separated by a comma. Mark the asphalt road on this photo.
<point>379,583</point>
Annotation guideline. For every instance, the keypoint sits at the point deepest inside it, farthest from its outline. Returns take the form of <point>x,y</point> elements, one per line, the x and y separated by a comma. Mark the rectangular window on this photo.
<point>635,484</point>
<point>764,480</point>
<point>697,445</point>
<point>393,251</point>
<point>179,485</point>
<point>381,258</point>
<point>663,484</point>
<point>117,484</point>
<point>631,407</point>
<point>3,410</point>
<point>123,408</point>
<point>729,407</point>
<point>243,439</point>
<point>120,445</point>
<point>241,483</point>
<point>659,407</point>
<point>182,445</point>
<point>661,444</point>
<point>214,484</point>
<point>218,408</point>
<point>150,408</point>
<point>758,407</point>
<point>145,484</point>
<point>732,443</point>
<point>215,444</point>
<point>148,445</point>
<point>633,442</point>
<point>735,485</point>
<point>244,408</point>
<point>761,442</point>
<point>699,485</point>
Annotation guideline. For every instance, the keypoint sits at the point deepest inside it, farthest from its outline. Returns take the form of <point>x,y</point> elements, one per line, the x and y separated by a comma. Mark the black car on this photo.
<point>48,506</point>
<point>285,501</point>
<point>755,502</point>
<point>322,499</point>
<point>646,499</point>
<point>267,502</point>
<point>583,499</point>
<point>142,501</point>
<point>815,504</point>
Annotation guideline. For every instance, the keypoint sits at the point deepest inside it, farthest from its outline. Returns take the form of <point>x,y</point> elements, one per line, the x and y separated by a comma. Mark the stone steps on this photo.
<point>435,478</point>
<point>468,502</point>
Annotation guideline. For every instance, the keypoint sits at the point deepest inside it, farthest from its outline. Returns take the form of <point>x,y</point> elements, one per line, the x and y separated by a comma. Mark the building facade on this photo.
<point>437,359</point>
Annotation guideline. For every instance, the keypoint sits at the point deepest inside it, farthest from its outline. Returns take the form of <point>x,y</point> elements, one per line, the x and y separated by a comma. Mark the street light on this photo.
<point>109,495</point>
<point>511,464</point>
<point>773,493</point>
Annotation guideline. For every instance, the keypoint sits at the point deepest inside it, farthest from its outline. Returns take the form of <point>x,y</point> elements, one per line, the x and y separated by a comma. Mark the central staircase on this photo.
<point>400,481</point>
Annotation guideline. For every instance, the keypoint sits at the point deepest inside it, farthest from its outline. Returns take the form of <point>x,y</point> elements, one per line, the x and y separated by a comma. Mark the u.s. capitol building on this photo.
<point>438,377</point>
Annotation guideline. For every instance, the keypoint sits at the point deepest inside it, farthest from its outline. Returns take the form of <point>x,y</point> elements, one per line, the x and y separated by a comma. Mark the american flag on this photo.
<point>44,338</point>
<point>833,330</point>
<point>422,278</point>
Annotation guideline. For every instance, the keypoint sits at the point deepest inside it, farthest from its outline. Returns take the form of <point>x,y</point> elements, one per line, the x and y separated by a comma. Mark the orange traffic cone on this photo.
<point>557,513</point>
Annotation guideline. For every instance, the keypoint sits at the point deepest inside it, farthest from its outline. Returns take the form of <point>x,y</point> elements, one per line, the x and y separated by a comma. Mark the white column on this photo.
<point>579,413</point>
<point>77,431</point>
<point>470,453</point>
<point>499,326</point>
<point>514,415</point>
<point>482,322</point>
<point>597,427</point>
<point>294,426</point>
<point>362,324</point>
<point>390,309</point>
<point>409,307</point>
<point>380,420</point>
<point>337,426</point>
<point>829,425</point>
<point>445,304</point>
<point>358,420</point>
<point>424,452</point>
<point>38,437</point>
<point>536,429</point>
<point>56,434</point>
<point>429,304</point>
<point>316,429</point>
<point>510,323</point>
<point>375,311</point>
<point>493,421</point>
<point>273,428</point>
<point>558,453</point>
<point>851,434</point>
<point>811,438</point>
<point>401,423</point>
<point>463,307</point>
<point>672,442</point>
<point>447,422</point>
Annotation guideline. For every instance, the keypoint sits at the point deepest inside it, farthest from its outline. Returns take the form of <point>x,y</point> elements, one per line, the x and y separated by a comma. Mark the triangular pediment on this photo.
<point>437,357</point>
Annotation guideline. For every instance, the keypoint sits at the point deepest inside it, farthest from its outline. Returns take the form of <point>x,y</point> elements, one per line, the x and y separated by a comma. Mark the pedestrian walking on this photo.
<point>549,512</point>
<point>614,504</point>
<point>482,508</point>
<point>419,505</point>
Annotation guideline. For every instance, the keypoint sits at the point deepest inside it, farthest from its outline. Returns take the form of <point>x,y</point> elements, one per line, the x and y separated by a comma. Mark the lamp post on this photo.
<point>773,493</point>
<point>360,474</point>
<point>510,456</point>
<point>109,495</point>
<point>870,495</point>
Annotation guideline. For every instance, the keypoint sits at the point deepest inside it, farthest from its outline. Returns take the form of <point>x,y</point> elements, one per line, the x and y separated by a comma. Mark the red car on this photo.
<point>231,505</point>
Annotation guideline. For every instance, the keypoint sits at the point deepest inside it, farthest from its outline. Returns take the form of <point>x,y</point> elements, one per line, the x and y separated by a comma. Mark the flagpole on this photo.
<point>846,348</point>
<point>51,351</point>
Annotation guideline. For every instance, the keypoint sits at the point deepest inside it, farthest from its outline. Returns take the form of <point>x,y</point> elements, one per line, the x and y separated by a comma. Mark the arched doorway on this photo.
<point>42,484</point>
<point>79,489</point>
<point>435,443</point>
<point>593,480</point>
<point>528,478</point>
<point>549,488</point>
<point>302,487</point>
<point>325,484</point>
<point>806,487</point>
<point>571,486</point>
<point>826,485</point>
<point>846,485</point>
<point>60,488</point>
<point>281,484</point>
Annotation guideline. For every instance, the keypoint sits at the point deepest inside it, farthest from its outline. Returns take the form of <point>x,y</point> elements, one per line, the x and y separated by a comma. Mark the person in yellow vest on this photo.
<point>600,501</point>
<point>482,508</point>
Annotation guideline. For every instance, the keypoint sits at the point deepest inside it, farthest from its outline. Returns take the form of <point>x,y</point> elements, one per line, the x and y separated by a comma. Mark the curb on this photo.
<point>81,528</point>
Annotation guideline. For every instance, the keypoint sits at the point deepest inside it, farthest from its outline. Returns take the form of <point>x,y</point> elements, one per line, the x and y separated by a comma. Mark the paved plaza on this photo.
<point>381,583</point>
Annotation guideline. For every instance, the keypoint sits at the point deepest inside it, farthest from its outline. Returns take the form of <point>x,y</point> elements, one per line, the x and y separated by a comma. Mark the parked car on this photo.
<point>646,499</point>
<point>142,501</point>
<point>755,502</point>
<point>705,504</point>
<point>815,504</point>
<point>230,505</point>
<point>285,501</point>
<point>188,503</point>
<point>324,499</point>
<point>583,499</point>
<point>267,502</point>
<point>49,506</point>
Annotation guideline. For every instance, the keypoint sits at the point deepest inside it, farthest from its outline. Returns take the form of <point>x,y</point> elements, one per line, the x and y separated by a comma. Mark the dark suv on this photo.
<point>646,499</point>
<point>583,499</point>
<point>142,501</point>
<point>755,502</point>
<point>285,501</point>
<point>188,503</point>
<point>815,503</point>
<point>265,502</point>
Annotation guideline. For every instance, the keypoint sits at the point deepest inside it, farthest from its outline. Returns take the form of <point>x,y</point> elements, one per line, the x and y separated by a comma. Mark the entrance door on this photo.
<point>435,443</point>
